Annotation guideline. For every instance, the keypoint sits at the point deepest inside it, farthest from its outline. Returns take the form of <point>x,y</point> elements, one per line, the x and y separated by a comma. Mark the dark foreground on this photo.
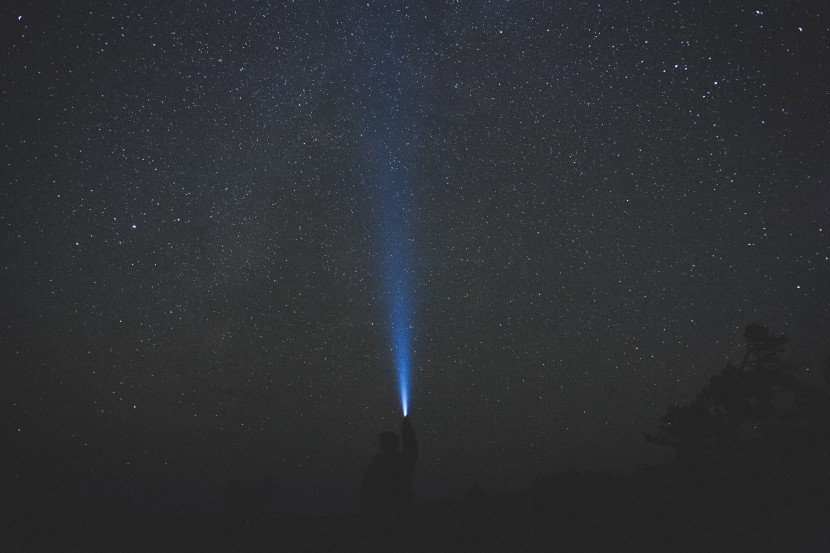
<point>588,512</point>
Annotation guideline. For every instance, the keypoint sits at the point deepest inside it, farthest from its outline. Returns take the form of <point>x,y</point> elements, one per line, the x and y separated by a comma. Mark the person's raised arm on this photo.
<point>410,442</point>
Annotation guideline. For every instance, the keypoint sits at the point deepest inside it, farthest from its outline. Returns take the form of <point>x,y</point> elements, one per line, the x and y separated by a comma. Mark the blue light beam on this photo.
<point>396,256</point>
<point>392,176</point>
<point>389,125</point>
<point>400,309</point>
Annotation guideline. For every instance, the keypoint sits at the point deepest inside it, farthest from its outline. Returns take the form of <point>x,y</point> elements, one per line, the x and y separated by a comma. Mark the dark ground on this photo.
<point>663,509</point>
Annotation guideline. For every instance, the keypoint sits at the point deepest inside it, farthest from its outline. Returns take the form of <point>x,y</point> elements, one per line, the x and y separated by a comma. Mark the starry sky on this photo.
<point>202,203</point>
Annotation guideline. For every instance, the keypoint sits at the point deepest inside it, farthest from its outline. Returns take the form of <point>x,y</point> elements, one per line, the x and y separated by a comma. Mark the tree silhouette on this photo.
<point>749,411</point>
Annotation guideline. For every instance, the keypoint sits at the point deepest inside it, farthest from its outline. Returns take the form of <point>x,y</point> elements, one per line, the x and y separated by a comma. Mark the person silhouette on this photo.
<point>386,489</point>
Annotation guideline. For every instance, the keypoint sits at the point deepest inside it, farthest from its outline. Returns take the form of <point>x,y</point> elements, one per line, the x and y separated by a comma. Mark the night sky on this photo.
<point>218,219</point>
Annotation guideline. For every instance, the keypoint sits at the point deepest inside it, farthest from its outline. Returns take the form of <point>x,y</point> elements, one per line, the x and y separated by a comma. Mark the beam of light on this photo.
<point>396,257</point>
<point>399,306</point>
<point>385,79</point>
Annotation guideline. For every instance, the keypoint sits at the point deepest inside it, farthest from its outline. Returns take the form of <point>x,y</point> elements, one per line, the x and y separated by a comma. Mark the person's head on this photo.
<point>388,441</point>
